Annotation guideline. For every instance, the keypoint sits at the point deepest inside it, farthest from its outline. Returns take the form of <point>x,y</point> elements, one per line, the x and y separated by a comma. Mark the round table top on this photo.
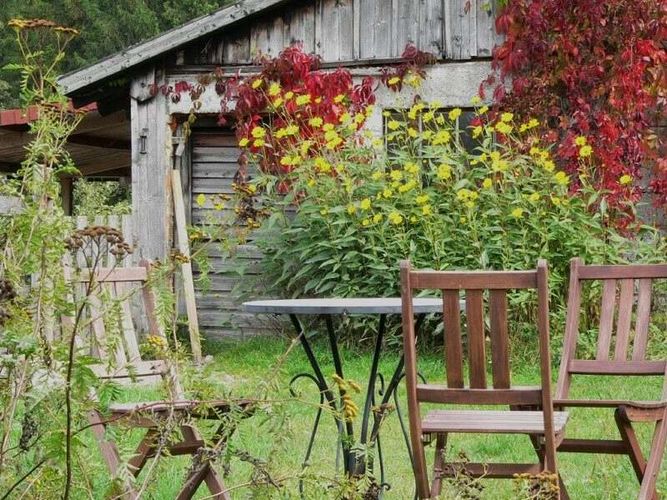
<point>351,305</point>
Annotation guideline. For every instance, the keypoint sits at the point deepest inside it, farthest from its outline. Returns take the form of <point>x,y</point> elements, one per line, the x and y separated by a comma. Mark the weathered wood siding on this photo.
<point>214,162</point>
<point>348,30</point>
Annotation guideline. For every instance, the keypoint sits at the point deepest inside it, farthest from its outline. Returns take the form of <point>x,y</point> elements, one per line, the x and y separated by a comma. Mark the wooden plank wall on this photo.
<point>214,162</point>
<point>121,222</point>
<point>348,30</point>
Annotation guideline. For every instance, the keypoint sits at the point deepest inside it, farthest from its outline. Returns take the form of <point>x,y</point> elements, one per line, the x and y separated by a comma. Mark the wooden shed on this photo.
<point>362,35</point>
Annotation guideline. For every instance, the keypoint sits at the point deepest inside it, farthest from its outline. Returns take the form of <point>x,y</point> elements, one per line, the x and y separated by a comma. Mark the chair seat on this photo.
<point>495,422</point>
<point>204,409</point>
<point>608,403</point>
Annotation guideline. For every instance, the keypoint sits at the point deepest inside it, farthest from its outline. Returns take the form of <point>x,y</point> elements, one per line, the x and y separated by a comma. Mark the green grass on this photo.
<point>243,368</point>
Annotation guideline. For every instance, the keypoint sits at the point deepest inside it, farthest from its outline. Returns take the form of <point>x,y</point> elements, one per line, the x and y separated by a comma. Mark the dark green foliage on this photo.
<point>105,26</point>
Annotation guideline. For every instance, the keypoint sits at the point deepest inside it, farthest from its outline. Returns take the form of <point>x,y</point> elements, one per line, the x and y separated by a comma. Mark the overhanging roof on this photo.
<point>161,44</point>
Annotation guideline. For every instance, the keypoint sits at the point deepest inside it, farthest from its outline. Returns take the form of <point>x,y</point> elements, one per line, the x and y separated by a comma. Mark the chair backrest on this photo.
<point>474,284</point>
<point>620,348</point>
<point>107,328</point>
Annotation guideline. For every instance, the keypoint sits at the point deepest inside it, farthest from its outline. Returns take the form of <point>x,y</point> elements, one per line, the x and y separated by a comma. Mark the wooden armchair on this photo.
<point>110,336</point>
<point>619,285</point>
<point>544,427</point>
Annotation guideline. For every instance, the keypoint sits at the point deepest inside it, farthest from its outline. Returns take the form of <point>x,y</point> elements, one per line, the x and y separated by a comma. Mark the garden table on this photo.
<point>354,462</point>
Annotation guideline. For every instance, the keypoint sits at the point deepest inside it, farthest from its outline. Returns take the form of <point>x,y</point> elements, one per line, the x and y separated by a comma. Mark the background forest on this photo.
<point>106,26</point>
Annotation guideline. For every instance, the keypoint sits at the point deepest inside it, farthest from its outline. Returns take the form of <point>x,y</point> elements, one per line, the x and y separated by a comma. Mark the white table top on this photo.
<point>352,305</point>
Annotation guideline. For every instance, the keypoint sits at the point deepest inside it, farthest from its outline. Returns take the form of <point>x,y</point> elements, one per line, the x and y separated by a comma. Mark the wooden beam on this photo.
<point>167,41</point>
<point>99,142</point>
<point>151,164</point>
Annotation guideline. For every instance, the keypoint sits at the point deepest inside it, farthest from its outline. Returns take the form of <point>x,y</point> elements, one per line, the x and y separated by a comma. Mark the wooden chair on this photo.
<point>619,284</point>
<point>111,337</point>
<point>544,427</point>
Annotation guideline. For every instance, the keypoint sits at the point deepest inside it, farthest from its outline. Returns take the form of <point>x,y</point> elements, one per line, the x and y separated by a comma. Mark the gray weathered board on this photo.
<point>350,305</point>
<point>214,163</point>
<point>350,30</point>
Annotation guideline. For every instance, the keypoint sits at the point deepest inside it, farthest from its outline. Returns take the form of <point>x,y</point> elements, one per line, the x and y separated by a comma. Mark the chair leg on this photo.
<point>201,473</point>
<point>110,453</point>
<point>144,450</point>
<point>647,490</point>
<point>630,439</point>
<point>438,462</point>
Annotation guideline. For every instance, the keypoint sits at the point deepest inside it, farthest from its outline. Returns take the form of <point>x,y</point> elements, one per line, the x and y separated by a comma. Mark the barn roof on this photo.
<point>145,51</point>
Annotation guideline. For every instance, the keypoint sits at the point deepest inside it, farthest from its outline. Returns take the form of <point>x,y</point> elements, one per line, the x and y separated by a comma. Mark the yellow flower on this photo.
<point>377,175</point>
<point>351,209</point>
<point>585,151</point>
<point>441,137</point>
<point>454,113</point>
<point>386,114</point>
<point>289,95</point>
<point>258,132</point>
<point>427,210</point>
<point>305,148</point>
<point>507,117</point>
<point>330,135</point>
<point>303,99</point>
<point>411,168</point>
<point>463,194</point>
<point>487,184</point>
<point>315,122</point>
<point>393,125</point>
<point>421,199</point>
<point>477,131</point>
<point>517,213</point>
<point>555,200</point>
<point>413,219</point>
<point>395,218</point>
<point>339,98</point>
<point>404,188</point>
<point>475,100</point>
<point>580,140</point>
<point>396,175</point>
<point>311,182</point>
<point>412,132</point>
<point>258,143</point>
<point>393,80</point>
<point>257,83</point>
<point>483,110</point>
<point>414,80</point>
<point>377,218</point>
<point>462,220</point>
<point>243,142</point>
<point>387,193</point>
<point>365,222</point>
<point>359,118</point>
<point>274,89</point>
<point>365,204</point>
<point>499,165</point>
<point>334,143</point>
<point>345,117</point>
<point>549,166</point>
<point>444,172</point>
<point>561,178</point>
<point>533,122</point>
<point>534,197</point>
<point>278,101</point>
<point>534,151</point>
<point>428,116</point>
<point>625,179</point>
<point>324,211</point>
<point>292,129</point>
<point>504,128</point>
<point>322,165</point>
<point>327,127</point>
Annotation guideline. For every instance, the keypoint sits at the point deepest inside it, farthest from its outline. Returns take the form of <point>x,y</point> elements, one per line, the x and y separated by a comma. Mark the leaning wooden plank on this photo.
<point>186,265</point>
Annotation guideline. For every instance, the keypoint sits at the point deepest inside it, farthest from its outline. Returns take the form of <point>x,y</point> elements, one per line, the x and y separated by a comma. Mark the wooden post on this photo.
<point>67,194</point>
<point>151,163</point>
<point>186,265</point>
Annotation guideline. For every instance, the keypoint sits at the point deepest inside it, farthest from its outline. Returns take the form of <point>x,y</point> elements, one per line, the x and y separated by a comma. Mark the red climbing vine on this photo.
<point>594,69</point>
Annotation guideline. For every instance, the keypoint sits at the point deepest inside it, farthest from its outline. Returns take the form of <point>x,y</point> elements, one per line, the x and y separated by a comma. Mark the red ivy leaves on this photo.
<point>592,68</point>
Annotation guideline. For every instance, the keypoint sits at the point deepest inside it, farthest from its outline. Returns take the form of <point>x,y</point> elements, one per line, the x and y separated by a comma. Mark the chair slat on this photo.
<point>452,328</point>
<point>473,280</point>
<point>119,351</point>
<point>124,295</point>
<point>606,367</point>
<point>500,360</point>
<point>634,271</point>
<point>429,393</point>
<point>625,303</point>
<point>643,318</point>
<point>606,318</point>
<point>97,326</point>
<point>476,347</point>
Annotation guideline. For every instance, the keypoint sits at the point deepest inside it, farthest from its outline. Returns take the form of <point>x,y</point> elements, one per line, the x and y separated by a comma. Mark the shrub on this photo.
<point>355,207</point>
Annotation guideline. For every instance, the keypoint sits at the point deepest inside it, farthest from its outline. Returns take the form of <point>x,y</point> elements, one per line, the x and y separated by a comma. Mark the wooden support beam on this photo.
<point>151,164</point>
<point>100,142</point>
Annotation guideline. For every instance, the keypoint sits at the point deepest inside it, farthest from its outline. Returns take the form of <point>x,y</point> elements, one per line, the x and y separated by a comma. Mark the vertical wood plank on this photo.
<point>452,330</point>
<point>571,329</point>
<point>336,30</point>
<point>431,27</point>
<point>124,295</point>
<point>487,37</point>
<point>406,30</point>
<point>625,303</point>
<point>126,228</point>
<point>643,317</point>
<point>236,48</point>
<point>606,318</point>
<point>460,32</point>
<point>476,347</point>
<point>112,221</point>
<point>375,26</point>
<point>500,355</point>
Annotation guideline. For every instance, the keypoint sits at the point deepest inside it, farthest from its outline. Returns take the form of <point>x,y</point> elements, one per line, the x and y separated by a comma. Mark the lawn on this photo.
<point>244,368</point>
